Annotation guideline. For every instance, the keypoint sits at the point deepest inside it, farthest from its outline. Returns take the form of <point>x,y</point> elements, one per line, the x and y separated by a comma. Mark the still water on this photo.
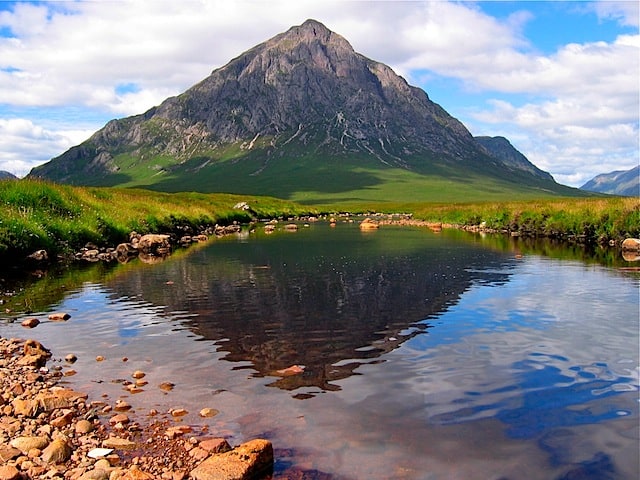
<point>426,356</point>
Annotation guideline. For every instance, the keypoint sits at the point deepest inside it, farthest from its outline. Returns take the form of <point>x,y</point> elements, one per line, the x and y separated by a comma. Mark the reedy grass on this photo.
<point>597,219</point>
<point>38,215</point>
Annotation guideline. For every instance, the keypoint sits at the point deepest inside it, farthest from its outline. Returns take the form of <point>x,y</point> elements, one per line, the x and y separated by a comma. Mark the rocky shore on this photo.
<point>48,431</point>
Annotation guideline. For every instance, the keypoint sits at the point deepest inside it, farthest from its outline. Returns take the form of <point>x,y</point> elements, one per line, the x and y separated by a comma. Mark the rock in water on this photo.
<point>631,245</point>
<point>154,243</point>
<point>244,462</point>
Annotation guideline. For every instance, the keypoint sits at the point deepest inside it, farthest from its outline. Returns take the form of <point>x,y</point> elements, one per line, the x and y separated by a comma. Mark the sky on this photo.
<point>560,80</point>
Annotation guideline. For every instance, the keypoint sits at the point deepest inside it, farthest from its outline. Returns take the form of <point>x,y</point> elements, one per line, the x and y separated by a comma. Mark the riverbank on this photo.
<point>64,221</point>
<point>51,431</point>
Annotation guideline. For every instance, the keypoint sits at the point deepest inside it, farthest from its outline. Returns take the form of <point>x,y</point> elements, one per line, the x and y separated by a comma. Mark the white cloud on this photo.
<point>80,53</point>
<point>22,142</point>
<point>625,12</point>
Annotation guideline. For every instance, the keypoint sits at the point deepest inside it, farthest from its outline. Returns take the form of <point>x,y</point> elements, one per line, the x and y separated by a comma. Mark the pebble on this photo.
<point>83,427</point>
<point>208,412</point>
<point>119,418</point>
<point>166,386</point>
<point>57,451</point>
<point>122,406</point>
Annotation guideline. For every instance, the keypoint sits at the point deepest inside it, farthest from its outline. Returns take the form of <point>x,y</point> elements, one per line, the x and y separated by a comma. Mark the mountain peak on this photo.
<point>311,31</point>
<point>302,101</point>
<point>310,44</point>
<point>313,27</point>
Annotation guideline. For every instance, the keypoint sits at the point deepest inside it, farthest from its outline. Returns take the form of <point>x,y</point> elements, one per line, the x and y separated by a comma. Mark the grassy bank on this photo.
<point>58,218</point>
<point>37,215</point>
<point>594,220</point>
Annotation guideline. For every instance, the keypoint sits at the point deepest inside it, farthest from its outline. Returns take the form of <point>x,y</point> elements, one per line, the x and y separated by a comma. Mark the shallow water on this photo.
<point>425,355</point>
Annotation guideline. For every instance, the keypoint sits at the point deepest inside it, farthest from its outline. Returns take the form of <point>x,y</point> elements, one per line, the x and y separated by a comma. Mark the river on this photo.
<point>421,355</point>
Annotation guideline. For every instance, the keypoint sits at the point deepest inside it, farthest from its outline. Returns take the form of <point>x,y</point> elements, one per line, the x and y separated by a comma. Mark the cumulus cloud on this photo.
<point>625,12</point>
<point>121,58</point>
<point>22,142</point>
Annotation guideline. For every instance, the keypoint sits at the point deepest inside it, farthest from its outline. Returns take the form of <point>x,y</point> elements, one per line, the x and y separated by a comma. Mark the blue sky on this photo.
<point>560,80</point>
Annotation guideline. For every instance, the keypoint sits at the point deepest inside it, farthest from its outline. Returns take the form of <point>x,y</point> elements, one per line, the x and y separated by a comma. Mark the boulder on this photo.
<point>90,255</point>
<point>118,443</point>
<point>368,224</point>
<point>39,256</point>
<point>125,252</point>
<point>26,407</point>
<point>59,398</point>
<point>631,245</point>
<point>24,444</point>
<point>245,462</point>
<point>30,323</point>
<point>35,355</point>
<point>215,445</point>
<point>34,347</point>
<point>8,452</point>
<point>154,243</point>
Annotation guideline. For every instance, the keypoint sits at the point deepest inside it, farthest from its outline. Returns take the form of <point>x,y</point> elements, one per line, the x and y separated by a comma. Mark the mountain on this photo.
<point>625,182</point>
<point>501,148</point>
<point>7,175</point>
<point>300,116</point>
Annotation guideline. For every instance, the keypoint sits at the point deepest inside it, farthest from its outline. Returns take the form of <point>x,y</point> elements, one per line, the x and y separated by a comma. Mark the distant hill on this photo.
<point>4,175</point>
<point>625,182</point>
<point>501,148</point>
<point>303,116</point>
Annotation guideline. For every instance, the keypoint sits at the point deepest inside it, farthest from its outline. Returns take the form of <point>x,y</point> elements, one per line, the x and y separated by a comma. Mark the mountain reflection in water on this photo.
<point>328,303</point>
<point>447,356</point>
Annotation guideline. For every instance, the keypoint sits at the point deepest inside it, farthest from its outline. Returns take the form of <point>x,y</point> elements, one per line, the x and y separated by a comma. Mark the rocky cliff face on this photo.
<point>303,92</point>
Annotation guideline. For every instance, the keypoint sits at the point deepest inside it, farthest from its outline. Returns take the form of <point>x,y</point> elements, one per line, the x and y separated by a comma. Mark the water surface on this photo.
<point>425,355</point>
